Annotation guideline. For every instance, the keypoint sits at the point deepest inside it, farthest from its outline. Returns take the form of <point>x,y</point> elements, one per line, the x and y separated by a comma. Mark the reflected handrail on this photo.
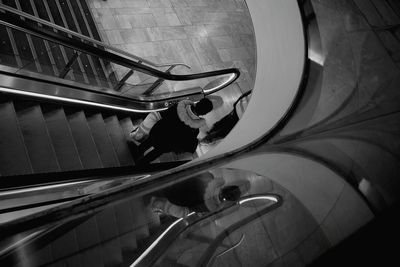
<point>90,49</point>
<point>207,258</point>
<point>231,248</point>
<point>158,248</point>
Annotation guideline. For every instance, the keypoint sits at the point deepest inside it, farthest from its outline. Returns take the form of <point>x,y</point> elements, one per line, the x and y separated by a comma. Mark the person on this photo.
<point>173,130</point>
<point>222,128</point>
<point>202,193</point>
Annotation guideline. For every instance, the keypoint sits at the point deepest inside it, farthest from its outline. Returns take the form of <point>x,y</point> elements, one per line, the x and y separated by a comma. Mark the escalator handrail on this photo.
<point>154,252</point>
<point>155,182</point>
<point>29,28</point>
<point>207,258</point>
<point>86,38</point>
<point>241,97</point>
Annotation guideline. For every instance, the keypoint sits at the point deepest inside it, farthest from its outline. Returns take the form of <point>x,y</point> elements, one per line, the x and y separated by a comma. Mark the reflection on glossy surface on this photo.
<point>132,227</point>
<point>196,245</point>
<point>343,136</point>
<point>348,115</point>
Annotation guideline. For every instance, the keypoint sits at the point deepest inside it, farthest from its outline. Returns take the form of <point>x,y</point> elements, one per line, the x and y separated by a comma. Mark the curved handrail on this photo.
<point>153,253</point>
<point>86,38</point>
<point>241,97</point>
<point>207,258</point>
<point>21,25</point>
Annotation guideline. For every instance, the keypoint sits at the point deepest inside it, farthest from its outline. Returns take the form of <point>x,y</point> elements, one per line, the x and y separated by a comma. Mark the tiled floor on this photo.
<point>204,34</point>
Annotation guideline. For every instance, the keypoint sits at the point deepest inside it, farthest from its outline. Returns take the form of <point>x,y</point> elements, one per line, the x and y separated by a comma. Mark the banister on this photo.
<point>86,38</point>
<point>160,245</point>
<point>123,61</point>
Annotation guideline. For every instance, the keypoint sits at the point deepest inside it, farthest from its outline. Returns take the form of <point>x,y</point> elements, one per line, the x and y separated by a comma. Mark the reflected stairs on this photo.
<point>113,237</point>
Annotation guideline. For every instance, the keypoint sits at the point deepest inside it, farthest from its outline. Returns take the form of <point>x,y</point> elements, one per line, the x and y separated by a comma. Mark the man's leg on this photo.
<point>143,147</point>
<point>139,134</point>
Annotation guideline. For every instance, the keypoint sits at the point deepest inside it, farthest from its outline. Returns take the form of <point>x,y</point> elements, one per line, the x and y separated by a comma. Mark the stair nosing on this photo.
<point>72,138</point>
<point>22,137</point>
<point>115,156</point>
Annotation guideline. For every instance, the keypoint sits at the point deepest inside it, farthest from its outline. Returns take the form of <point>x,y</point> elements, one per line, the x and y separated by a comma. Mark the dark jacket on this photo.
<point>178,129</point>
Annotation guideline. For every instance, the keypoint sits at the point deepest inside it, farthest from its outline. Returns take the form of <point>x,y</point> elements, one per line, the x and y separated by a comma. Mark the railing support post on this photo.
<point>123,80</point>
<point>157,83</point>
<point>67,67</point>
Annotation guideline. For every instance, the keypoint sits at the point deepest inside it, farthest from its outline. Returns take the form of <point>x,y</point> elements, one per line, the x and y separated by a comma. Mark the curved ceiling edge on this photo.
<point>281,59</point>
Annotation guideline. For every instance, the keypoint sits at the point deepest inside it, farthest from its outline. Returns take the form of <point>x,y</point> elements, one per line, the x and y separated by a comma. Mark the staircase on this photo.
<point>190,246</point>
<point>44,138</point>
<point>30,53</point>
<point>38,137</point>
<point>114,237</point>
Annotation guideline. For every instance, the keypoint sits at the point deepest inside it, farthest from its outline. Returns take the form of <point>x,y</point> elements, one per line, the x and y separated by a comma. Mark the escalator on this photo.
<point>78,116</point>
<point>332,158</point>
<point>111,237</point>
<point>44,137</point>
<point>129,233</point>
<point>66,114</point>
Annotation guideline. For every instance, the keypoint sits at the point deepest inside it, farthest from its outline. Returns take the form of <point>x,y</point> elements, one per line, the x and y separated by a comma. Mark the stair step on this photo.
<point>128,248</point>
<point>62,139</point>
<point>75,261</point>
<point>92,257</point>
<point>140,222</point>
<point>65,245</point>
<point>14,157</point>
<point>127,126</point>
<point>119,141</point>
<point>7,56</point>
<point>84,140</point>
<point>124,217</point>
<point>106,223</point>
<point>111,253</point>
<point>36,137</point>
<point>102,140</point>
<point>39,257</point>
<point>128,242</point>
<point>43,256</point>
<point>87,234</point>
